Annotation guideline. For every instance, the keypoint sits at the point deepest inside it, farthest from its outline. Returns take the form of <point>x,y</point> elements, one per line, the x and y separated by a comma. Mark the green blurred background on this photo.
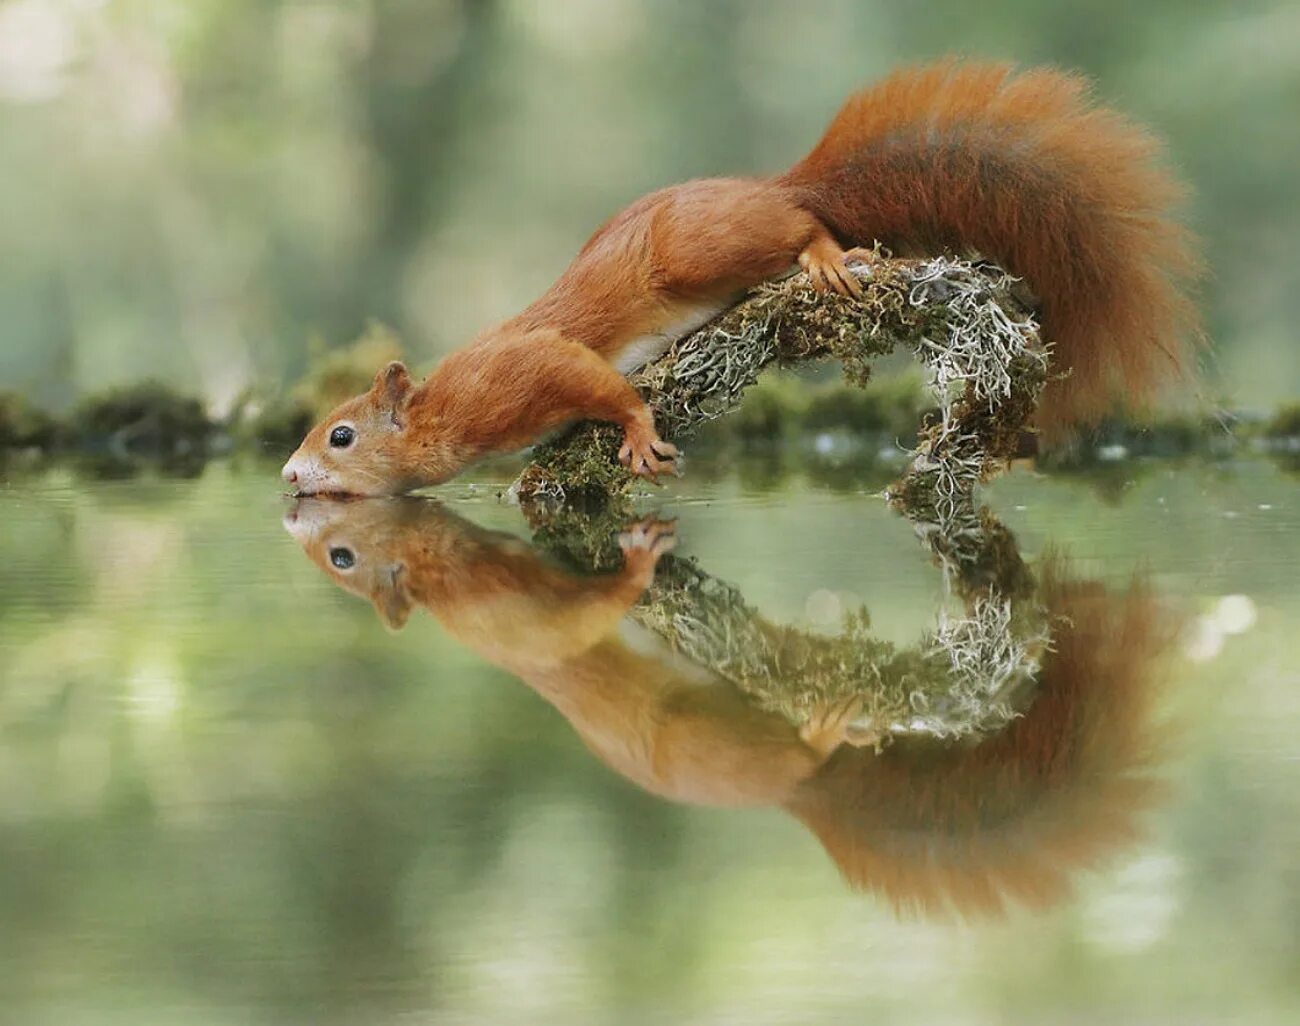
<point>228,795</point>
<point>194,190</point>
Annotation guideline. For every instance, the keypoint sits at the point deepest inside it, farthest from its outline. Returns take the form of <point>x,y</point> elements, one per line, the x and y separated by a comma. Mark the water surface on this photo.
<point>232,791</point>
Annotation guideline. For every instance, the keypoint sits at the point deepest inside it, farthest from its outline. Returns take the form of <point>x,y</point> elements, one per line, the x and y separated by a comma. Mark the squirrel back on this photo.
<point>1023,169</point>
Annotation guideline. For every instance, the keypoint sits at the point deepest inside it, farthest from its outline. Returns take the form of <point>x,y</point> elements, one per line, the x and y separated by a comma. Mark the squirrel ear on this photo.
<point>392,385</point>
<point>393,604</point>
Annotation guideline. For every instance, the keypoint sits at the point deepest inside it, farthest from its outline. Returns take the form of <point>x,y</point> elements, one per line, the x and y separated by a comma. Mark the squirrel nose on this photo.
<point>289,474</point>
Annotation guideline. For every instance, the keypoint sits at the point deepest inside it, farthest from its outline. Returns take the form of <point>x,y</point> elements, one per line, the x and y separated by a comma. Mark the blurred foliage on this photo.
<point>336,375</point>
<point>277,423</point>
<point>146,417</point>
<point>1285,422</point>
<point>192,191</point>
<point>23,426</point>
<point>889,407</point>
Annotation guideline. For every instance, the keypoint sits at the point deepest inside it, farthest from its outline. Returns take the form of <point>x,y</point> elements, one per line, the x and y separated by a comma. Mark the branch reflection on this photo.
<point>1012,747</point>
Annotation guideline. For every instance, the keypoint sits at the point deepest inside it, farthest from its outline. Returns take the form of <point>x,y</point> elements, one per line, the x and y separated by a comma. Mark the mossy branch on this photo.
<point>985,361</point>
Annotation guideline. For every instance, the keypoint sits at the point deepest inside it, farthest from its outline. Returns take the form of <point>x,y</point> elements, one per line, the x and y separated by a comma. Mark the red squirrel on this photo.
<point>1020,168</point>
<point>931,826</point>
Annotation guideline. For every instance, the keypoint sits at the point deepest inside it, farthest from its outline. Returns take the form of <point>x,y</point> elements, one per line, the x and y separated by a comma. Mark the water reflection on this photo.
<point>1013,746</point>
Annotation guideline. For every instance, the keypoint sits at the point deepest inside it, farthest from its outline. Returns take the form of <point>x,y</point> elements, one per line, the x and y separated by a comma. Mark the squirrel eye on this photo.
<point>342,436</point>
<point>342,558</point>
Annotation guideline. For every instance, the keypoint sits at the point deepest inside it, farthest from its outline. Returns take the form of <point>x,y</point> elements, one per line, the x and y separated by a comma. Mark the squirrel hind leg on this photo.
<point>827,265</point>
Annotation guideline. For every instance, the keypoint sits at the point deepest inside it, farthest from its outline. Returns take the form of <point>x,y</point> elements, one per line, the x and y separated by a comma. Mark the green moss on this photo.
<point>799,674</point>
<point>110,465</point>
<point>578,468</point>
<point>585,543</point>
<point>961,679</point>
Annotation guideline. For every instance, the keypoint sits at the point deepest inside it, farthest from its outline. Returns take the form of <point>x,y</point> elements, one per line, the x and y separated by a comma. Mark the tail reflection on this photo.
<point>1006,814</point>
<point>1010,819</point>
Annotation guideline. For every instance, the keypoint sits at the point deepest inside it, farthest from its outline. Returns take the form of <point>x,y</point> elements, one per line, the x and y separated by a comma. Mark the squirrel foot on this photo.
<point>645,453</point>
<point>827,267</point>
<point>651,534</point>
<point>829,726</point>
<point>643,543</point>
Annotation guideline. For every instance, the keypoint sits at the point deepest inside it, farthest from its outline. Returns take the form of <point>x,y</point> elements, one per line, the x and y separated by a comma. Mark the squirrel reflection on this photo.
<point>933,826</point>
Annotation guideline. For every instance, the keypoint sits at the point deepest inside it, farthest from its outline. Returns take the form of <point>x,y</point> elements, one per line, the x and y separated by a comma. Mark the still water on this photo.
<point>267,762</point>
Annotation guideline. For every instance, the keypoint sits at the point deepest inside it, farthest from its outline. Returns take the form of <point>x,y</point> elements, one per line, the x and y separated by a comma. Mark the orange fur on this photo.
<point>929,826</point>
<point>1025,170</point>
<point>1021,169</point>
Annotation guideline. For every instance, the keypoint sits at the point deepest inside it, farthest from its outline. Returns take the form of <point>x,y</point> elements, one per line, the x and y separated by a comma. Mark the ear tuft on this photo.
<point>394,614</point>
<point>393,604</point>
<point>392,385</point>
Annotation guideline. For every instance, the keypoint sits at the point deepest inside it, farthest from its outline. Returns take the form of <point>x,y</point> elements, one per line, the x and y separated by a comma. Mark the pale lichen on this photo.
<point>970,675</point>
<point>985,363</point>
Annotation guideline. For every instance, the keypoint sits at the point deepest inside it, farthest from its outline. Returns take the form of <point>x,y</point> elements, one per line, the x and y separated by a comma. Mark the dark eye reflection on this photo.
<point>342,558</point>
<point>342,436</point>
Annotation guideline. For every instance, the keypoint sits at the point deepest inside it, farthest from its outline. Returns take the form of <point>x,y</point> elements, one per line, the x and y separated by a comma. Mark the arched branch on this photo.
<point>963,319</point>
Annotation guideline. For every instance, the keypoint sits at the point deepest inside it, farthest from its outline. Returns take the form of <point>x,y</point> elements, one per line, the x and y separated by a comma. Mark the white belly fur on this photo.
<point>641,350</point>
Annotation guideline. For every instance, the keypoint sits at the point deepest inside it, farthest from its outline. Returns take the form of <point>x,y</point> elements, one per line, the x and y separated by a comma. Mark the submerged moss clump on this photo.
<point>782,669</point>
<point>959,317</point>
<point>585,543</point>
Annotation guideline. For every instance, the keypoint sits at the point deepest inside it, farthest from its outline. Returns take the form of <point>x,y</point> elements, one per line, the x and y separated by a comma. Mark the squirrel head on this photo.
<point>368,446</point>
<point>364,546</point>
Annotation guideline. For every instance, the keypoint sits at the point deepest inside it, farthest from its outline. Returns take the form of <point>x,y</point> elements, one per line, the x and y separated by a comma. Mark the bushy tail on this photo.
<point>1023,169</point>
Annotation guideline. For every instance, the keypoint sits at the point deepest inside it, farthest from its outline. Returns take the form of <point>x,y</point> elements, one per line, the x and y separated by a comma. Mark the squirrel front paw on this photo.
<point>651,534</point>
<point>645,453</point>
<point>644,542</point>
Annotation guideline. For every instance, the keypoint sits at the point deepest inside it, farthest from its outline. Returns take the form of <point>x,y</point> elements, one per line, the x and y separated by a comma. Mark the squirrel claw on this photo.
<point>644,542</point>
<point>829,726</point>
<point>828,271</point>
<point>651,535</point>
<point>648,455</point>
